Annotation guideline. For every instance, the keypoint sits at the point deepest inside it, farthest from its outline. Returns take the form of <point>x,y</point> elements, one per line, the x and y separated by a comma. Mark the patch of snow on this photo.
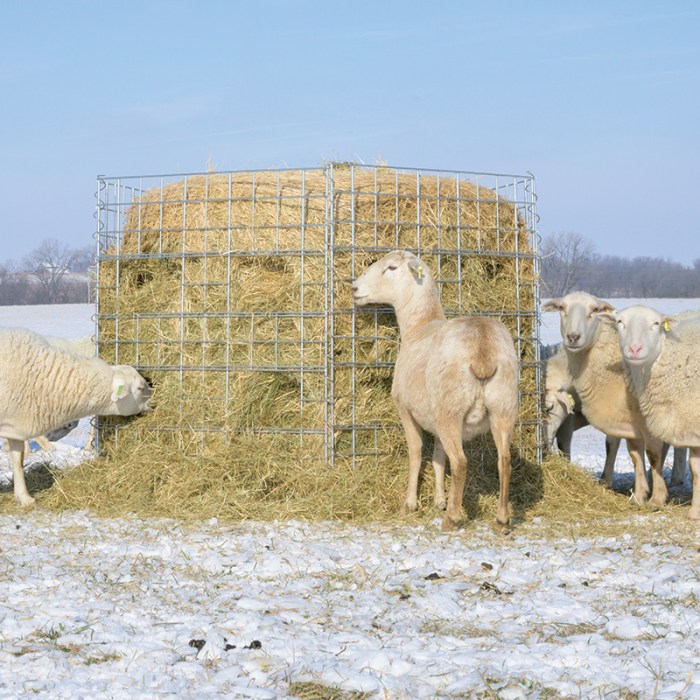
<point>141,608</point>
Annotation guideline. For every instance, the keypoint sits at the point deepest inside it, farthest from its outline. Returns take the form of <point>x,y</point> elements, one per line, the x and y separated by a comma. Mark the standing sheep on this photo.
<point>43,387</point>
<point>597,376</point>
<point>455,379</point>
<point>563,411</point>
<point>662,366</point>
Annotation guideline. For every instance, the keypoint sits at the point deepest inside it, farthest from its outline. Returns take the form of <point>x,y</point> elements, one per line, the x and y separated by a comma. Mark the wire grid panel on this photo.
<point>477,232</point>
<point>214,286</point>
<point>232,292</point>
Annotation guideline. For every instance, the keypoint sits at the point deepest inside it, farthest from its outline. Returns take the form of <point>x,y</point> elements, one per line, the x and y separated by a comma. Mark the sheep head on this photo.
<point>130,391</point>
<point>391,279</point>
<point>579,319</point>
<point>642,332</point>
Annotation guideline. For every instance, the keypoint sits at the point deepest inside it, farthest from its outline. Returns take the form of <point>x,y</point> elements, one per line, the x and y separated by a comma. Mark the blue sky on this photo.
<point>600,100</point>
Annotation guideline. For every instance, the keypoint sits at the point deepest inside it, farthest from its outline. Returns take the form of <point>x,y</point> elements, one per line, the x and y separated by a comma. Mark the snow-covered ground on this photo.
<point>144,608</point>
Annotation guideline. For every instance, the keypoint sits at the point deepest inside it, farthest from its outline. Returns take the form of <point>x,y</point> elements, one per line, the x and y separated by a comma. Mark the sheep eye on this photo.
<point>655,325</point>
<point>390,267</point>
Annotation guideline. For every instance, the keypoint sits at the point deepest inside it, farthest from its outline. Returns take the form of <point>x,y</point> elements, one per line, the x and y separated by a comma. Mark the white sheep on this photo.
<point>597,375</point>
<point>86,347</point>
<point>453,378</point>
<point>563,411</point>
<point>662,365</point>
<point>43,387</point>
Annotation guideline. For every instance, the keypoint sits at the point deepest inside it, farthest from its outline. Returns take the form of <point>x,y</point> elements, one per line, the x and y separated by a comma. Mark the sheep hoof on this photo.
<point>694,516</point>
<point>502,528</point>
<point>449,524</point>
<point>440,505</point>
<point>657,504</point>
<point>25,501</point>
<point>408,508</point>
<point>638,499</point>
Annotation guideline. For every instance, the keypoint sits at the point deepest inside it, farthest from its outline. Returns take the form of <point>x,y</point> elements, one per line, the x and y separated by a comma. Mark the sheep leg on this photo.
<point>635,447</point>
<point>43,442</point>
<point>17,456</point>
<point>414,441</point>
<point>694,513</point>
<point>680,457</point>
<point>439,459</point>
<point>501,437</point>
<point>659,492</point>
<point>458,470</point>
<point>612,445</point>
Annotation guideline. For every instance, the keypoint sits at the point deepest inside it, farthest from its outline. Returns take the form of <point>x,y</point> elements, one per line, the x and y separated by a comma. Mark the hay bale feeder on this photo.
<point>231,292</point>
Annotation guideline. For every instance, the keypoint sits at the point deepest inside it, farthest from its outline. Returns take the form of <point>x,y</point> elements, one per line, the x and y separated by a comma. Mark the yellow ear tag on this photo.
<point>571,399</point>
<point>419,271</point>
<point>667,326</point>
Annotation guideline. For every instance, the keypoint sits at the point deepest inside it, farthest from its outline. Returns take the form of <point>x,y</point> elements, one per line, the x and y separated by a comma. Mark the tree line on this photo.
<point>569,262</point>
<point>53,273</point>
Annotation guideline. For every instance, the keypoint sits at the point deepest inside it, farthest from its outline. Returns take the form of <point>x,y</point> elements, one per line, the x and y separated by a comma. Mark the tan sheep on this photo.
<point>454,378</point>
<point>562,407</point>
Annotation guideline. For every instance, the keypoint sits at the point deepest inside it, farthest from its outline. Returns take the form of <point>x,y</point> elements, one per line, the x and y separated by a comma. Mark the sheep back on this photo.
<point>462,367</point>
<point>43,387</point>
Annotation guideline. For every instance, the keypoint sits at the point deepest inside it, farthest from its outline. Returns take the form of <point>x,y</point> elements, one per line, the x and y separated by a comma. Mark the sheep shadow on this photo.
<point>678,494</point>
<point>38,475</point>
<point>482,485</point>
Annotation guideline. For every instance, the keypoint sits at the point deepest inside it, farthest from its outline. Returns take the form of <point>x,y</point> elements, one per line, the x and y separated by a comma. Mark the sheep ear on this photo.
<point>120,386</point>
<point>668,322</point>
<point>552,305</point>
<point>566,399</point>
<point>416,267</point>
<point>603,307</point>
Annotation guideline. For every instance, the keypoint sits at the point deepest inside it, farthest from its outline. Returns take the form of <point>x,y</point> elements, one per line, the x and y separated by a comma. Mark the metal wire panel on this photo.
<point>211,280</point>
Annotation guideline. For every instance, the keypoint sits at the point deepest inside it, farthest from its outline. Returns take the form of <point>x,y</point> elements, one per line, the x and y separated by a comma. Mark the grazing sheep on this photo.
<point>662,367</point>
<point>454,379</point>
<point>43,387</point>
<point>597,375</point>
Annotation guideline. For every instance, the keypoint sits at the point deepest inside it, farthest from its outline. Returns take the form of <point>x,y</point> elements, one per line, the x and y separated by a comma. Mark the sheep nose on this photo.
<point>573,338</point>
<point>634,349</point>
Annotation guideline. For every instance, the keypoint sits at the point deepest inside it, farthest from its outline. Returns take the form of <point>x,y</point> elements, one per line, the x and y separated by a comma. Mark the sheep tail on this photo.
<point>483,369</point>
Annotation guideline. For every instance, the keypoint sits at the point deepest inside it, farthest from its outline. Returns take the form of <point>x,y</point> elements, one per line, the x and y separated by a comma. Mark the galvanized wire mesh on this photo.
<point>216,283</point>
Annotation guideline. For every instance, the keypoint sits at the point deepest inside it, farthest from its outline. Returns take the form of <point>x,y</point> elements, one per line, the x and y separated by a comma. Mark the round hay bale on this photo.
<point>232,293</point>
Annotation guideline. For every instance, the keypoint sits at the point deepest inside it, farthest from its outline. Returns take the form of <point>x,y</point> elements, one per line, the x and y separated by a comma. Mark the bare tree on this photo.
<point>48,264</point>
<point>83,259</point>
<point>13,287</point>
<point>566,259</point>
